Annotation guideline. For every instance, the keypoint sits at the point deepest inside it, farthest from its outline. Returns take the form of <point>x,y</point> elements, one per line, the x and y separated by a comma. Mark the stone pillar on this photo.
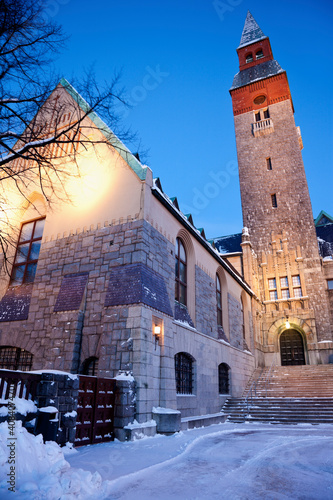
<point>125,407</point>
<point>60,390</point>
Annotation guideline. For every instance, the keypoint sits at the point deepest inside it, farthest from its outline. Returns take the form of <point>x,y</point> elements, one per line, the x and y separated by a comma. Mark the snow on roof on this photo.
<point>251,31</point>
<point>255,73</point>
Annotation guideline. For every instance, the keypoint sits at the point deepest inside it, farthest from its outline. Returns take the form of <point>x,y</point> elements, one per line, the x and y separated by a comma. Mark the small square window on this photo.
<point>273,295</point>
<point>272,283</point>
<point>297,292</point>
<point>285,293</point>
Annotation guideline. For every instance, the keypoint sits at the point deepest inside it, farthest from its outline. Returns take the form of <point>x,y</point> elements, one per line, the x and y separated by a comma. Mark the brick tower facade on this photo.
<point>275,201</point>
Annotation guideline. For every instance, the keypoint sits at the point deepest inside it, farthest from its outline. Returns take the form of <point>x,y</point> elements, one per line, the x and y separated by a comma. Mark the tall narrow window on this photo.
<point>284,287</point>
<point>180,272</point>
<point>249,58</point>
<point>269,163</point>
<point>223,378</point>
<point>243,318</point>
<point>219,301</point>
<point>184,373</point>
<point>272,289</point>
<point>27,252</point>
<point>297,289</point>
<point>274,201</point>
<point>266,113</point>
<point>257,116</point>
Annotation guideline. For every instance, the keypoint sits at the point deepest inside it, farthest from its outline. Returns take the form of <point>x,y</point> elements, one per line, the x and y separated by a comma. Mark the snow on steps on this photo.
<point>295,394</point>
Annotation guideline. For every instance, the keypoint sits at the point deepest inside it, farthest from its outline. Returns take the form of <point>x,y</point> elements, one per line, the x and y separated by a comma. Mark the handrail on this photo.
<point>253,387</point>
<point>269,374</point>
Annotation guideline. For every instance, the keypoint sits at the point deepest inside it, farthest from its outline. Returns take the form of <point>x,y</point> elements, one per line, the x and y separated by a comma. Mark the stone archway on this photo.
<point>298,325</point>
<point>292,348</point>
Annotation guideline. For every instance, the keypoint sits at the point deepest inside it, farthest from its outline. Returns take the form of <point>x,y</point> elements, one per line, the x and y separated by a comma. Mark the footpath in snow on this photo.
<point>225,461</point>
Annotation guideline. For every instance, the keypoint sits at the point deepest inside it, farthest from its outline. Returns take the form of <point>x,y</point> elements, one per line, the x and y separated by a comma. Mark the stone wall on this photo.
<point>206,312</point>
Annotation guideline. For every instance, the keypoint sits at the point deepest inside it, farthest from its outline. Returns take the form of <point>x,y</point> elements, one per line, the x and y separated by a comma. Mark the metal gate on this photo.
<point>292,349</point>
<point>95,410</point>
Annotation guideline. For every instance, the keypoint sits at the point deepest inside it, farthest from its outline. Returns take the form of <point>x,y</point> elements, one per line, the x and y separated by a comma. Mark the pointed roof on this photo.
<point>251,31</point>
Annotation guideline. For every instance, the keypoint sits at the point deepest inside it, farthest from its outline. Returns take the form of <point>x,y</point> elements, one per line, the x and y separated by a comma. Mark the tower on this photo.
<point>275,199</point>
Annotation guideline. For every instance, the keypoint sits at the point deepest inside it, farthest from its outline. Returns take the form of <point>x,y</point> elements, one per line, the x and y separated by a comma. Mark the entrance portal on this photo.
<point>292,348</point>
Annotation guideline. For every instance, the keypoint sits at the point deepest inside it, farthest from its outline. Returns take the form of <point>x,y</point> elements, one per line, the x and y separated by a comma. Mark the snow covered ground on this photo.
<point>225,461</point>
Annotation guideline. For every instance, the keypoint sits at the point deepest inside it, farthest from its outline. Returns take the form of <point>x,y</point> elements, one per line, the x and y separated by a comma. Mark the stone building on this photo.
<point>117,278</point>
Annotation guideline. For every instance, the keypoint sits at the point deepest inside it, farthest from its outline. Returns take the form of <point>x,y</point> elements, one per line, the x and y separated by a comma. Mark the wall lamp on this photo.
<point>287,324</point>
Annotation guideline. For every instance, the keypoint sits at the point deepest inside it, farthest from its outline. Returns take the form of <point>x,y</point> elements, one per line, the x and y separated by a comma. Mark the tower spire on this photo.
<point>251,31</point>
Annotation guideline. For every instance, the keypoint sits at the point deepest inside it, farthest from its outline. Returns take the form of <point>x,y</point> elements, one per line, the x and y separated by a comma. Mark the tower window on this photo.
<point>274,202</point>
<point>266,113</point>
<point>249,58</point>
<point>272,289</point>
<point>269,163</point>
<point>330,284</point>
<point>284,287</point>
<point>27,252</point>
<point>259,54</point>
<point>297,289</point>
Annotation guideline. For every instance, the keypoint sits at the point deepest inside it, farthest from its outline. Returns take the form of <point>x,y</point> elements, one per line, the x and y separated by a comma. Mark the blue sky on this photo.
<point>178,59</point>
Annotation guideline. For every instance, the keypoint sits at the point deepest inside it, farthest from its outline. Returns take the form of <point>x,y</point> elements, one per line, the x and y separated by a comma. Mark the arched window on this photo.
<point>184,373</point>
<point>15,358</point>
<point>90,366</point>
<point>249,58</point>
<point>223,378</point>
<point>259,54</point>
<point>180,272</point>
<point>27,252</point>
<point>219,301</point>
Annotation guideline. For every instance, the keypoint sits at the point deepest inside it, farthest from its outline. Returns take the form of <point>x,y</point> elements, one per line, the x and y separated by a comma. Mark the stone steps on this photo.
<point>293,394</point>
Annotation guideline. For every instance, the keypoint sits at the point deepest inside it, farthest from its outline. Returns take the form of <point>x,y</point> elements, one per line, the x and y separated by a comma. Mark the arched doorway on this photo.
<point>292,348</point>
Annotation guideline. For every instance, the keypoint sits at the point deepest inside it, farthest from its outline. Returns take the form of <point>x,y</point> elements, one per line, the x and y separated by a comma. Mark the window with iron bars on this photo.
<point>15,358</point>
<point>184,373</point>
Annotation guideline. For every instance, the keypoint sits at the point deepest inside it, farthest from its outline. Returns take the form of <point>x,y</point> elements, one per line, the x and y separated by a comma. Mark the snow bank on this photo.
<point>161,409</point>
<point>41,471</point>
<point>22,406</point>
<point>125,376</point>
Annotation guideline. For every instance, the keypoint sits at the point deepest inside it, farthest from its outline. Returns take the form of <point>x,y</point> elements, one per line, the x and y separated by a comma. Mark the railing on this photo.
<point>268,377</point>
<point>20,384</point>
<point>252,392</point>
<point>249,395</point>
<point>262,126</point>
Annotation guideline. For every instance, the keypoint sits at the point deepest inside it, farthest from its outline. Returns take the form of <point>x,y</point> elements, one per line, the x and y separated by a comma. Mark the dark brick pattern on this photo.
<point>15,304</point>
<point>135,284</point>
<point>71,292</point>
<point>182,314</point>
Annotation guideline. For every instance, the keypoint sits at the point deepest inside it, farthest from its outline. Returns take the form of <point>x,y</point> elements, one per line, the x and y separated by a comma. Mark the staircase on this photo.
<point>292,394</point>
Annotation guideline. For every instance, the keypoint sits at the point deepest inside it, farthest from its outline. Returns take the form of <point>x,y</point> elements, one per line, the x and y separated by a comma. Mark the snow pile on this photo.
<point>41,471</point>
<point>22,406</point>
